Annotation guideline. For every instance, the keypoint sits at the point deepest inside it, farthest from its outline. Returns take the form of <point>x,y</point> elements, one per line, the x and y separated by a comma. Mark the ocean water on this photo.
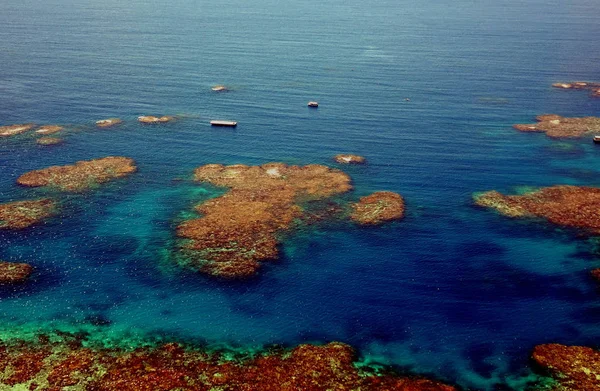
<point>452,290</point>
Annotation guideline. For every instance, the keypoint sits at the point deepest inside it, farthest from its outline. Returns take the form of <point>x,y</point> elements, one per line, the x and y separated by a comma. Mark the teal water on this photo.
<point>451,290</point>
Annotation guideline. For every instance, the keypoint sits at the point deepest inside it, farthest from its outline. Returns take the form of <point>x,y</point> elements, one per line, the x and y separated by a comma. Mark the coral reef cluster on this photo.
<point>378,208</point>
<point>81,175</point>
<point>11,273</point>
<point>556,126</point>
<point>593,88</point>
<point>53,366</point>
<point>576,368</point>
<point>22,214</point>
<point>240,229</point>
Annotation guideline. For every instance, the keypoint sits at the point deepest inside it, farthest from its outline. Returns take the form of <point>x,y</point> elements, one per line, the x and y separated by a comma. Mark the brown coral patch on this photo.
<point>556,126</point>
<point>150,119</point>
<point>571,206</point>
<point>49,141</point>
<point>349,159</point>
<point>49,129</point>
<point>13,130</point>
<point>107,123</point>
<point>11,273</point>
<point>81,175</point>
<point>378,208</point>
<point>576,368</point>
<point>22,214</point>
<point>171,366</point>
<point>240,229</point>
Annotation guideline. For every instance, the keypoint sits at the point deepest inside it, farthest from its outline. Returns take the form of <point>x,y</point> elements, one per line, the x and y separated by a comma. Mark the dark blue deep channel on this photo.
<point>452,289</point>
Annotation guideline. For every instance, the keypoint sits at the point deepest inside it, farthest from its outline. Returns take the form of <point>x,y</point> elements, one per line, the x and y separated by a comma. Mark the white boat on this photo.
<point>313,104</point>
<point>596,139</point>
<point>223,123</point>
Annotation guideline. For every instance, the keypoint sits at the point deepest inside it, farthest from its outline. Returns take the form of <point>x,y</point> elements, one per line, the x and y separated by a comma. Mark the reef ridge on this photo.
<point>575,368</point>
<point>556,126</point>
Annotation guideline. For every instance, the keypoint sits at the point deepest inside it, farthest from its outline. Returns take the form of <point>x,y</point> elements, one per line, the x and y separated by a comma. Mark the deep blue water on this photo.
<point>452,290</point>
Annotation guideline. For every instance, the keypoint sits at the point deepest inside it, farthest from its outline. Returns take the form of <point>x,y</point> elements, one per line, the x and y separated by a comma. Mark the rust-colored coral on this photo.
<point>22,214</point>
<point>239,229</point>
<point>571,206</point>
<point>556,126</point>
<point>81,175</point>
<point>576,368</point>
<point>11,272</point>
<point>378,208</point>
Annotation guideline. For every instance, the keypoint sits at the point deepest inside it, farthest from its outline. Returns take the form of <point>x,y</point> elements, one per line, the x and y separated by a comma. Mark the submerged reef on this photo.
<point>22,214</point>
<point>150,119</point>
<point>52,366</point>
<point>240,229</point>
<point>556,126</point>
<point>107,123</point>
<point>49,141</point>
<point>81,175</point>
<point>575,368</point>
<point>349,159</point>
<point>13,130</point>
<point>378,208</point>
<point>11,273</point>
<point>593,88</point>
<point>570,206</point>
<point>49,129</point>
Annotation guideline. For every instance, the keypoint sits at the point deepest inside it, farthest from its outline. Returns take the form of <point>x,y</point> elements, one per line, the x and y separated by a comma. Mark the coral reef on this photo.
<point>49,141</point>
<point>571,206</point>
<point>240,228</point>
<point>556,126</point>
<point>11,273</point>
<point>49,129</point>
<point>576,368</point>
<point>150,119</point>
<point>107,123</point>
<point>593,88</point>
<point>81,175</point>
<point>378,208</point>
<point>22,214</point>
<point>52,366</point>
<point>12,130</point>
<point>349,159</point>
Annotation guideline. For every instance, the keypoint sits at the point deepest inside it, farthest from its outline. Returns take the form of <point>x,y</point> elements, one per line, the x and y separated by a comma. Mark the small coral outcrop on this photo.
<point>378,208</point>
<point>176,367</point>
<point>81,175</point>
<point>349,159</point>
<point>575,368</point>
<point>23,214</point>
<point>556,126</point>
<point>107,123</point>
<point>13,130</point>
<point>593,88</point>
<point>49,129</point>
<point>151,119</point>
<point>49,141</point>
<point>12,273</point>
<point>240,229</point>
<point>570,206</point>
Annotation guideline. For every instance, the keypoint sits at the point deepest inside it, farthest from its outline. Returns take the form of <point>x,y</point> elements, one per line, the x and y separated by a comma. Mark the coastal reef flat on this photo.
<point>240,229</point>
<point>11,273</point>
<point>378,208</point>
<point>23,214</point>
<point>575,368</point>
<point>556,126</point>
<point>593,88</point>
<point>13,130</point>
<point>81,175</point>
<point>52,366</point>
<point>570,206</point>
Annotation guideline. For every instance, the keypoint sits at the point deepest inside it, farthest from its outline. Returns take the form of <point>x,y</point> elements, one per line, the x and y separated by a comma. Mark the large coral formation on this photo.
<point>571,206</point>
<point>80,176</point>
<point>11,273</point>
<point>349,159</point>
<point>556,126</point>
<point>378,208</point>
<point>22,214</point>
<point>240,228</point>
<point>52,366</point>
<point>107,123</point>
<point>12,130</point>
<point>151,119</point>
<point>576,368</point>
<point>49,129</point>
<point>593,88</point>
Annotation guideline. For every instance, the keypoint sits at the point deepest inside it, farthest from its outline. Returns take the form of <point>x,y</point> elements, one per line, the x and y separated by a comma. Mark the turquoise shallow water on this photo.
<point>452,289</point>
